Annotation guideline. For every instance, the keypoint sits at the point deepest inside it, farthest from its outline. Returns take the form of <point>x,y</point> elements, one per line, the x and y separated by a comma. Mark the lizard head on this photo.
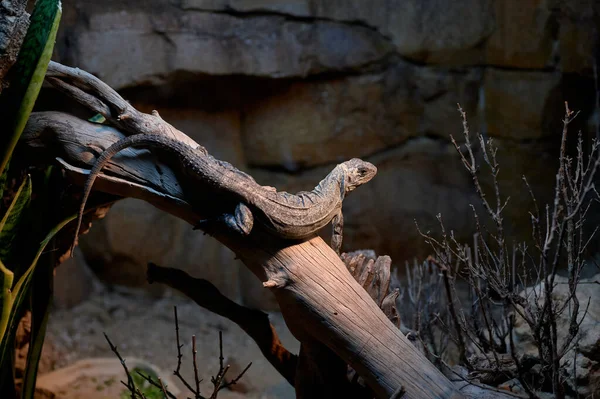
<point>358,172</point>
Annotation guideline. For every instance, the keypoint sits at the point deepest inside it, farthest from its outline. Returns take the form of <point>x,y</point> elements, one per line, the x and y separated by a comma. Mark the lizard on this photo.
<point>291,216</point>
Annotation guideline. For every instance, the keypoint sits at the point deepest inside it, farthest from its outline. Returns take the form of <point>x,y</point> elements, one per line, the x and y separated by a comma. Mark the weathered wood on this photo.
<point>99,97</point>
<point>319,298</point>
<point>322,374</point>
<point>56,137</point>
<point>337,321</point>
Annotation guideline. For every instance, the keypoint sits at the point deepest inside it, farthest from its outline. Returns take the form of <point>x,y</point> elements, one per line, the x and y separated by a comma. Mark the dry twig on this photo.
<point>218,381</point>
<point>498,277</point>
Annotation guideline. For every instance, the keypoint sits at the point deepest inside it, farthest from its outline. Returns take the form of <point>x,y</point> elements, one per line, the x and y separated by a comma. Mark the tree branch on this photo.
<point>320,301</point>
<point>254,322</point>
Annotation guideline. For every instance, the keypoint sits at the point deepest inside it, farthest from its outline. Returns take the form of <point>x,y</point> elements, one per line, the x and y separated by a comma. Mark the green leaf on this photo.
<point>6,365</point>
<point>34,354</point>
<point>27,75</point>
<point>98,118</point>
<point>3,179</point>
<point>11,222</point>
<point>147,389</point>
<point>8,311</point>
<point>19,293</point>
<point>7,377</point>
<point>41,295</point>
<point>5,295</point>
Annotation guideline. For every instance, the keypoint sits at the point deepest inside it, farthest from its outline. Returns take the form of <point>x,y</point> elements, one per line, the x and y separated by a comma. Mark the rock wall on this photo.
<point>285,89</point>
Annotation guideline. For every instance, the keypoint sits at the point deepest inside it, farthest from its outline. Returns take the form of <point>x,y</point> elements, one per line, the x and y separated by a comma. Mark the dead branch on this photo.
<point>130,385</point>
<point>98,97</point>
<point>499,279</point>
<point>254,322</point>
<point>218,380</point>
<point>372,272</point>
<point>321,302</point>
<point>177,371</point>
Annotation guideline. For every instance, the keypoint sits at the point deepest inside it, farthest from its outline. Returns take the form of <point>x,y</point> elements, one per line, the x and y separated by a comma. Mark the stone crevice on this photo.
<point>281,169</point>
<point>289,17</point>
<point>358,23</point>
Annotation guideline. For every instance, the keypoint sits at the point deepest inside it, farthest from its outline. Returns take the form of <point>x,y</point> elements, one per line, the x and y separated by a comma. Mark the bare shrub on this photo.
<point>161,390</point>
<point>500,275</point>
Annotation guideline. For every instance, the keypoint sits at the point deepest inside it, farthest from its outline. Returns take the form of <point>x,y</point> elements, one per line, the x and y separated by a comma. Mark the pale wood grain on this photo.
<point>320,300</point>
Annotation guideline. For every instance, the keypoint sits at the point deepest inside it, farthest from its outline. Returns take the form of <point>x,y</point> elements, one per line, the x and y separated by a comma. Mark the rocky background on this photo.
<point>285,89</point>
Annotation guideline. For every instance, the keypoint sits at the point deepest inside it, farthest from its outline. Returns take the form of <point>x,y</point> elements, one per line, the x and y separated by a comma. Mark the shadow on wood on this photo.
<point>337,322</point>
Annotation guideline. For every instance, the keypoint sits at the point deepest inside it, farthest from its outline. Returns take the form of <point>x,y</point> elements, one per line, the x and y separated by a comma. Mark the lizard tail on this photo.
<point>89,183</point>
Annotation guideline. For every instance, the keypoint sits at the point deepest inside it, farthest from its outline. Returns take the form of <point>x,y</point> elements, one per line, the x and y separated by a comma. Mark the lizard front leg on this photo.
<point>240,222</point>
<point>338,231</point>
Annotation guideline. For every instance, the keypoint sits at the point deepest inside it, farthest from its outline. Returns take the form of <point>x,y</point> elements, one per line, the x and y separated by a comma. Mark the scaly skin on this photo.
<point>293,216</point>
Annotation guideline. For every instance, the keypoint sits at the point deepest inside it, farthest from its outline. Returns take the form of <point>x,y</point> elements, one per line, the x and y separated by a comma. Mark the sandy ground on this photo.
<point>143,327</point>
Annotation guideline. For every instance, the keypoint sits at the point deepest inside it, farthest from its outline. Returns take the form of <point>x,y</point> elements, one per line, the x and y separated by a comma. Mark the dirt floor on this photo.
<point>143,328</point>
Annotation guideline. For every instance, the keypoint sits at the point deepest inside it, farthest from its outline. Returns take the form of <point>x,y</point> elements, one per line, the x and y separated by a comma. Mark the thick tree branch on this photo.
<point>319,299</point>
<point>321,371</point>
<point>322,303</point>
<point>99,97</point>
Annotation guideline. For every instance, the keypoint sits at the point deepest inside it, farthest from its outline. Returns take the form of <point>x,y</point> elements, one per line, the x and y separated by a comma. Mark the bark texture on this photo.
<point>337,321</point>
